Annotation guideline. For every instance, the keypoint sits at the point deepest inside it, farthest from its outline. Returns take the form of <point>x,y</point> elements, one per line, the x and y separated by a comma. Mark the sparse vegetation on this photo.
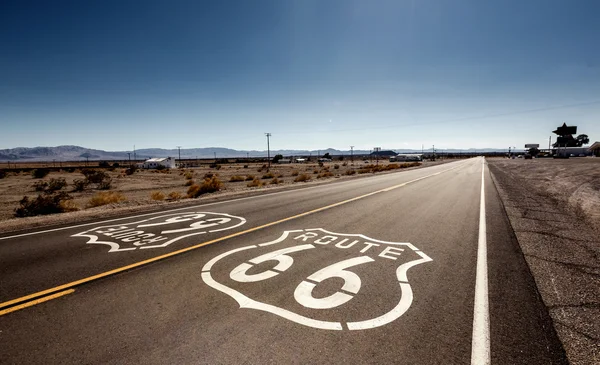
<point>302,178</point>
<point>40,185</point>
<point>102,180</point>
<point>189,183</point>
<point>275,181</point>
<point>208,186</point>
<point>236,178</point>
<point>56,184</point>
<point>174,195</point>
<point>350,172</point>
<point>39,173</point>
<point>295,173</point>
<point>255,183</point>
<point>46,203</point>
<point>268,175</point>
<point>2,174</point>
<point>189,175</point>
<point>105,197</point>
<point>79,184</point>
<point>157,195</point>
<point>250,177</point>
<point>336,166</point>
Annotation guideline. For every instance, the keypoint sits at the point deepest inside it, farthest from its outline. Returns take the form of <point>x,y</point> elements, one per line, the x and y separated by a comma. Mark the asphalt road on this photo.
<point>395,268</point>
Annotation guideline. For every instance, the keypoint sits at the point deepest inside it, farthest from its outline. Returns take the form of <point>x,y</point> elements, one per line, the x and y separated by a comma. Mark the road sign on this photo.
<point>299,264</point>
<point>532,145</point>
<point>565,130</point>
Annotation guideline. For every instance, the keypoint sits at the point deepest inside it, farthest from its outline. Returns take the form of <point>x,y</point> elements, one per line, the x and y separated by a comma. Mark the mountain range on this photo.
<point>77,153</point>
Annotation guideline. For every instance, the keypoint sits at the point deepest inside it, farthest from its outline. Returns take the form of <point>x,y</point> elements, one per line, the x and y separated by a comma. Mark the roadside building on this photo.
<point>155,163</point>
<point>595,149</point>
<point>284,160</point>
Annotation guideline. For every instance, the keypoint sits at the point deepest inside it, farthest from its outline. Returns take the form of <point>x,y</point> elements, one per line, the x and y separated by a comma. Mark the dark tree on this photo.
<point>277,158</point>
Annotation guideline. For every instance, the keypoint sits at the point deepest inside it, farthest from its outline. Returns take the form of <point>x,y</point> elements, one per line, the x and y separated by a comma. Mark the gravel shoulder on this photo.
<point>553,207</point>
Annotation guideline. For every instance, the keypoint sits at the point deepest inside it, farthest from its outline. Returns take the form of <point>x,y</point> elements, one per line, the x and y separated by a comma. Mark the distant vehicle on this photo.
<point>324,160</point>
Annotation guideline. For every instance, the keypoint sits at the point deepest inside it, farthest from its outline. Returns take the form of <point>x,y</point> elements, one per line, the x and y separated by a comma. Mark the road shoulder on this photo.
<point>562,253</point>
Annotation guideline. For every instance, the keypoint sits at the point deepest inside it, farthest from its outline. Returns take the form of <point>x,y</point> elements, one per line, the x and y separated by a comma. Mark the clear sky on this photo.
<point>316,74</point>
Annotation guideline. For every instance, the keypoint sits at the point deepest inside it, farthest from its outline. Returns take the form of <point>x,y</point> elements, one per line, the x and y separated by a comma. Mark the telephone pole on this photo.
<point>179,150</point>
<point>268,149</point>
<point>352,154</point>
<point>433,152</point>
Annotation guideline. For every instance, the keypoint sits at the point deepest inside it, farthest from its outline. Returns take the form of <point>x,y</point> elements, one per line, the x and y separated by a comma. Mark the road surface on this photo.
<point>415,267</point>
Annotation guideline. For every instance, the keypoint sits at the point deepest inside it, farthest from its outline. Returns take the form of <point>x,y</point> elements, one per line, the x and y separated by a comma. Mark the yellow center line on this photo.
<point>76,283</point>
<point>37,301</point>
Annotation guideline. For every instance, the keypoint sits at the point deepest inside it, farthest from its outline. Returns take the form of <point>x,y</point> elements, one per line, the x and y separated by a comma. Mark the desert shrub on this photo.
<point>336,166</point>
<point>364,170</point>
<point>245,166</point>
<point>39,173</point>
<point>56,184</point>
<point>268,175</point>
<point>116,164</point>
<point>350,172</point>
<point>302,178</point>
<point>315,172</point>
<point>46,203</point>
<point>70,170</point>
<point>255,183</point>
<point>189,183</point>
<point>295,173</point>
<point>215,166</point>
<point>209,175</point>
<point>79,184</point>
<point>275,181</point>
<point>131,170</point>
<point>208,186</point>
<point>2,174</point>
<point>188,175</point>
<point>105,197</point>
<point>345,164</point>
<point>237,178</point>
<point>157,195</point>
<point>325,174</point>
<point>40,185</point>
<point>259,169</point>
<point>174,195</point>
<point>264,166</point>
<point>105,184</point>
<point>250,177</point>
<point>103,164</point>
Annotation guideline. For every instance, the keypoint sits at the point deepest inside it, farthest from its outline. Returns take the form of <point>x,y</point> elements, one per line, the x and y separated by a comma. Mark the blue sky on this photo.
<point>316,74</point>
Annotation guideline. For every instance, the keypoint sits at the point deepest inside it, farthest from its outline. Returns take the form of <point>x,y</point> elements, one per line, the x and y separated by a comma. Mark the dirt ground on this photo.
<point>574,182</point>
<point>139,187</point>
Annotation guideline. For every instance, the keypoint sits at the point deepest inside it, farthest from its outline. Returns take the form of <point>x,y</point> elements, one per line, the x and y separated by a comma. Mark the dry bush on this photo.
<point>336,166</point>
<point>279,175</point>
<point>302,178</point>
<point>350,172</point>
<point>189,175</point>
<point>174,195</point>
<point>295,173</point>
<point>39,173</point>
<point>46,203</point>
<point>250,177</point>
<point>208,186</point>
<point>209,175</point>
<point>325,174</point>
<point>255,183</point>
<point>2,174</point>
<point>345,164</point>
<point>268,175</point>
<point>56,184</point>
<point>236,178</point>
<point>315,172</point>
<point>105,197</point>
<point>245,166</point>
<point>40,185</point>
<point>276,181</point>
<point>79,184</point>
<point>157,195</point>
<point>189,183</point>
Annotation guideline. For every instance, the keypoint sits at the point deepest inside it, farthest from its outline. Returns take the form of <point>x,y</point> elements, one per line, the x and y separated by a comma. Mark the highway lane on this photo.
<point>186,308</point>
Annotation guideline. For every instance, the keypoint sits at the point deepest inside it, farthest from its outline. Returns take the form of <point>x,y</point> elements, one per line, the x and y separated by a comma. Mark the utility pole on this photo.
<point>508,151</point>
<point>352,154</point>
<point>179,150</point>
<point>134,158</point>
<point>215,156</point>
<point>268,149</point>
<point>433,152</point>
<point>129,157</point>
<point>549,145</point>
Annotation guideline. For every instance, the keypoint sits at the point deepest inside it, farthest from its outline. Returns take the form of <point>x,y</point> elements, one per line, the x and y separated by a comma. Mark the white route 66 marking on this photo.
<point>308,240</point>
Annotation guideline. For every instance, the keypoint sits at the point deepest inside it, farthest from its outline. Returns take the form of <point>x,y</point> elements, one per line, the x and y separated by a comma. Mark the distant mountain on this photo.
<point>77,153</point>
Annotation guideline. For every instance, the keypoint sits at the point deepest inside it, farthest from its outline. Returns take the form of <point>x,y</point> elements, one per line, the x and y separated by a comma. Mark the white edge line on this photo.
<point>183,208</point>
<point>480,348</point>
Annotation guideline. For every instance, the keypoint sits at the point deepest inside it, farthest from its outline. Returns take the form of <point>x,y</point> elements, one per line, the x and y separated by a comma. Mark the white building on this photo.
<point>154,163</point>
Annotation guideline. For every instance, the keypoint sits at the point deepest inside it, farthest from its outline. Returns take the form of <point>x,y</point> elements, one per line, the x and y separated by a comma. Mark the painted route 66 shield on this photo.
<point>159,231</point>
<point>320,279</point>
